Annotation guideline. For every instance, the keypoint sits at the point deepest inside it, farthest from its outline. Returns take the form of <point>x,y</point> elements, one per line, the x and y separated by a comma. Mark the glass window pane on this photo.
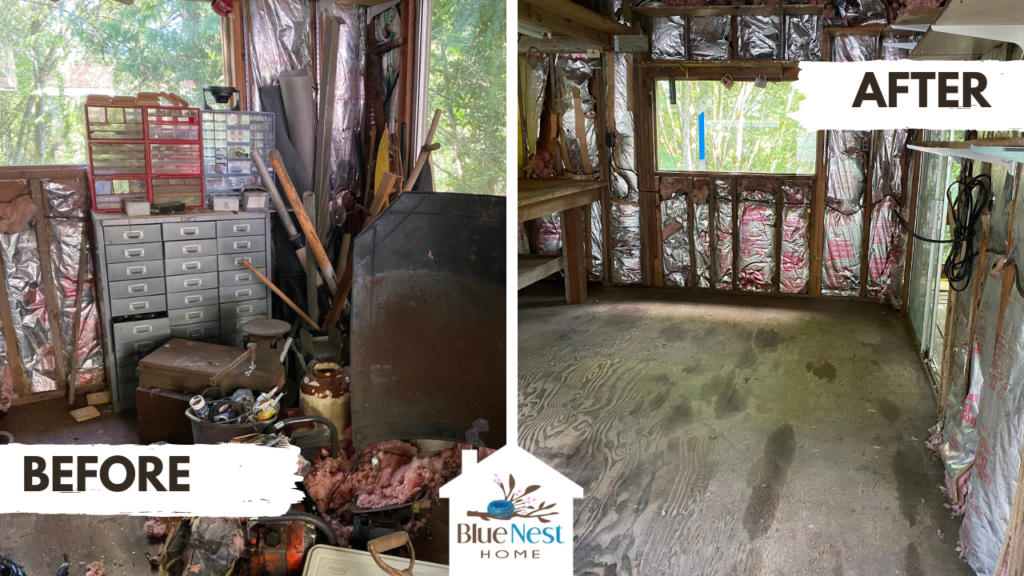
<point>746,128</point>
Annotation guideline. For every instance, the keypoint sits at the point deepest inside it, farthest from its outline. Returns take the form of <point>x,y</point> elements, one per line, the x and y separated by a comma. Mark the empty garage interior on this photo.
<point>746,342</point>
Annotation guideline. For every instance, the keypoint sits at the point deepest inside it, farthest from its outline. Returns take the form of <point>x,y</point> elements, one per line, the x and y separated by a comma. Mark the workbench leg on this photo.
<point>574,255</point>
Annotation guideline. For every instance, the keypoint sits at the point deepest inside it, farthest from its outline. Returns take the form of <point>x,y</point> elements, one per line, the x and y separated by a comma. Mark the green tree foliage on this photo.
<point>151,46</point>
<point>747,129</point>
<point>467,82</point>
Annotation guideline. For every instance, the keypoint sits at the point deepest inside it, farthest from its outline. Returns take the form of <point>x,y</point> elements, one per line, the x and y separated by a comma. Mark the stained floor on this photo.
<point>723,435</point>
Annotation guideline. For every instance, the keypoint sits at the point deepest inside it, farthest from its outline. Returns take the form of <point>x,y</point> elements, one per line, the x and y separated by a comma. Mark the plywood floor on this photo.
<point>735,435</point>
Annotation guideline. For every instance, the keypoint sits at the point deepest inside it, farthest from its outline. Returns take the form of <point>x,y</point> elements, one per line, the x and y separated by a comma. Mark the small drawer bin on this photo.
<point>136,288</point>
<point>230,326</point>
<point>241,244</point>
<point>134,252</point>
<point>226,228</point>
<point>138,305</point>
<point>240,277</point>
<point>241,293</point>
<point>239,309</point>
<point>135,271</point>
<point>114,235</point>
<point>192,266</point>
<point>234,261</point>
<point>199,331</point>
<point>190,248</point>
<point>194,315</point>
<point>187,282</point>
<point>177,300</point>
<point>189,230</point>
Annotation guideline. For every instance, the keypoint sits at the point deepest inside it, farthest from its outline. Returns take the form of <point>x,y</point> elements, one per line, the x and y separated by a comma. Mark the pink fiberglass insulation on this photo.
<point>96,569</point>
<point>549,235</point>
<point>794,271</point>
<point>723,234</point>
<point>158,527</point>
<point>756,239</point>
<point>401,474</point>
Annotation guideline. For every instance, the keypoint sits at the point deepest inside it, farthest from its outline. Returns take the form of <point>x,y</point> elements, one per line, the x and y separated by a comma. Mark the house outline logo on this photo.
<point>510,512</point>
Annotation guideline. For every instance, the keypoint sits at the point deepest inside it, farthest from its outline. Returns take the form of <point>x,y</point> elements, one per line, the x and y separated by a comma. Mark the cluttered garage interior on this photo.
<point>762,350</point>
<point>259,221</point>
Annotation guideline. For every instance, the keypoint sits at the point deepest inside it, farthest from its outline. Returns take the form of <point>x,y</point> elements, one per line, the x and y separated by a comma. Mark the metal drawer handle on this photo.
<point>242,245</point>
<point>133,234</point>
<point>193,299</point>
<point>193,315</point>
<point>243,293</point>
<point>138,288</point>
<point>143,329</point>
<point>241,228</point>
<point>133,270</point>
<point>238,261</point>
<point>244,309</point>
<point>191,231</point>
<point>192,249</point>
<point>142,347</point>
<point>192,265</point>
<point>243,277</point>
<point>133,252</point>
<point>194,282</point>
<point>193,332</point>
<point>139,305</point>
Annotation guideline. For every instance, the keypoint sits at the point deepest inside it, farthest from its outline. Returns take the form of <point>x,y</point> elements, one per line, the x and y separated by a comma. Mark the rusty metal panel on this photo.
<point>428,321</point>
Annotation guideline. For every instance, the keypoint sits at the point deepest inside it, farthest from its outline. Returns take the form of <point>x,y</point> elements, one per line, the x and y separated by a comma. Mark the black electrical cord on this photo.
<point>975,195</point>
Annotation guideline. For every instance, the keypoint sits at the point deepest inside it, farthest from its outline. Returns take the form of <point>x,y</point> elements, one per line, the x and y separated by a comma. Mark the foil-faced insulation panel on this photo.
<point>887,243</point>
<point>533,81</point>
<point>803,37</point>
<point>756,220</point>
<point>1000,436</point>
<point>346,168</point>
<point>625,206</point>
<point>795,271</point>
<point>702,234</point>
<point>759,37</point>
<point>675,234</point>
<point>668,38</point>
<point>723,234</point>
<point>279,38</point>
<point>28,308</point>
<point>709,37</point>
<point>854,48</point>
<point>626,242</point>
<point>844,212</point>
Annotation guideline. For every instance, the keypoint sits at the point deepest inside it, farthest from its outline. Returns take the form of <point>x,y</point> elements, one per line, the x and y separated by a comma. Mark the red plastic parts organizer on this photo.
<point>152,153</point>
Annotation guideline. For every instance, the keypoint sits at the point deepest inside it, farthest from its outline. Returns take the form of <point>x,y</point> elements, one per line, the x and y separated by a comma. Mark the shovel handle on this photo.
<point>390,542</point>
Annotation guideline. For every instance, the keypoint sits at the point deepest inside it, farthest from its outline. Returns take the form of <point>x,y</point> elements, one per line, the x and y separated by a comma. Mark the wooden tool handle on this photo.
<point>312,240</point>
<point>421,160</point>
<point>390,542</point>
<point>280,294</point>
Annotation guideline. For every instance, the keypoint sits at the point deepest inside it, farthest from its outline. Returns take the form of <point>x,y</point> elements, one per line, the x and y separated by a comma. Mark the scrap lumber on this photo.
<point>83,414</point>
<point>428,147</point>
<point>98,398</point>
<point>280,294</point>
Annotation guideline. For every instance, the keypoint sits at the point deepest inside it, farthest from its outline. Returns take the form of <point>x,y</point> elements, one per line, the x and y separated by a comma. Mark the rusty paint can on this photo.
<point>324,391</point>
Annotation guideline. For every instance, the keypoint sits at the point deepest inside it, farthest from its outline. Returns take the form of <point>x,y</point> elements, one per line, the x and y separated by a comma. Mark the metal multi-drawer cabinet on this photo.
<point>176,276</point>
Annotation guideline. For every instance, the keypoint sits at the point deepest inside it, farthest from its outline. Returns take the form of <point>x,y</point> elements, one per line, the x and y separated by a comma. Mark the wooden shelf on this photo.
<point>796,9</point>
<point>536,267</point>
<point>935,45</point>
<point>539,197</point>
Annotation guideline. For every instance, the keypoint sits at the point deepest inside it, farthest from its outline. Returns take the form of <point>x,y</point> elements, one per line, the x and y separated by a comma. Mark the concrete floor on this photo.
<point>748,435</point>
<point>38,541</point>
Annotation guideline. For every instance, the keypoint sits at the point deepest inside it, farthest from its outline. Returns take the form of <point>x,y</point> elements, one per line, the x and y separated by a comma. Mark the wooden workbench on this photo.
<point>538,198</point>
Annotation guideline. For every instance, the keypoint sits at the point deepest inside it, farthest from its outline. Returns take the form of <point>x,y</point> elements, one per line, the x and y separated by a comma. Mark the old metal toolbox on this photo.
<point>187,366</point>
<point>331,561</point>
<point>161,416</point>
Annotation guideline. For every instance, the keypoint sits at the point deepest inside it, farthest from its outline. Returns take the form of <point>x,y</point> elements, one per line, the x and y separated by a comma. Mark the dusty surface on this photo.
<point>735,435</point>
<point>38,541</point>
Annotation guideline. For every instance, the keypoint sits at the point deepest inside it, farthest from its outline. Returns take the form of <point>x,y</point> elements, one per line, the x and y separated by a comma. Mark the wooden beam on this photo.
<point>574,256</point>
<point>43,171</point>
<point>561,25</point>
<point>21,384</point>
<point>53,311</point>
<point>908,259</point>
<point>966,144</point>
<point>865,250</point>
<point>688,71</point>
<point>663,11</point>
<point>605,124</point>
<point>555,45</point>
<point>583,17</point>
<point>817,225</point>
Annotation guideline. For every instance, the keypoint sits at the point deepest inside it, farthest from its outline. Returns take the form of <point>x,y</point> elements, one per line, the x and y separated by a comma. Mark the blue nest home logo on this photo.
<point>516,504</point>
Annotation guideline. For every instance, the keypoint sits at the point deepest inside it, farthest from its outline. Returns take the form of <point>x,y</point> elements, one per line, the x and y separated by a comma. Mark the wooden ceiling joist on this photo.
<point>561,26</point>
<point>581,16</point>
<point>798,9</point>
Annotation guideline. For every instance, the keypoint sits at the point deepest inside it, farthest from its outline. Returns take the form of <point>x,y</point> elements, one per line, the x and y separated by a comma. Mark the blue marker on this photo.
<point>701,124</point>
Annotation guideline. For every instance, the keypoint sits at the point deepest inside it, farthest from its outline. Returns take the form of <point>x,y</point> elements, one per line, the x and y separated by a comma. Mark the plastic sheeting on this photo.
<point>886,243</point>
<point>795,272</point>
<point>549,234</point>
<point>723,234</point>
<point>860,11</point>
<point>844,214</point>
<point>1000,428</point>
<point>278,33</point>
<point>709,37</point>
<point>28,308</point>
<point>346,168</point>
<point>668,38</point>
<point>533,81</point>
<point>595,270</point>
<point>759,37</point>
<point>625,206</point>
<point>66,247</point>
<point>675,240</point>
<point>756,219</point>
<point>854,48</point>
<point>803,37</point>
<point>626,242</point>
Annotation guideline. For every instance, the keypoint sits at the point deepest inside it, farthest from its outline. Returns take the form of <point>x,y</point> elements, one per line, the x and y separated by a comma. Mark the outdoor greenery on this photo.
<point>467,82</point>
<point>747,129</point>
<point>151,46</point>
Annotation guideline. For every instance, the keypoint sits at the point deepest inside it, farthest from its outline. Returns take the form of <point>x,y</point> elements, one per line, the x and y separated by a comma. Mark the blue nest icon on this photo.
<point>501,509</point>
